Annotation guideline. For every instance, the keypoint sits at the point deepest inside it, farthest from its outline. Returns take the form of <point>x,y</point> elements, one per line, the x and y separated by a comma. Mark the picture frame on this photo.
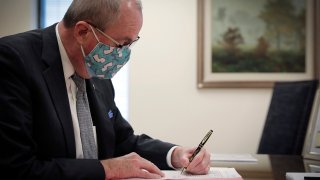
<point>207,77</point>
<point>311,148</point>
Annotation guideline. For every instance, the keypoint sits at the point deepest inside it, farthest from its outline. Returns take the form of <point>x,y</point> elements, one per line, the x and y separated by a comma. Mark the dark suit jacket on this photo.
<point>36,131</point>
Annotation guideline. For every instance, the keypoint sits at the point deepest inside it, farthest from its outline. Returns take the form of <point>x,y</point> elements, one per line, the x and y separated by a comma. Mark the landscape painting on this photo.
<point>261,40</point>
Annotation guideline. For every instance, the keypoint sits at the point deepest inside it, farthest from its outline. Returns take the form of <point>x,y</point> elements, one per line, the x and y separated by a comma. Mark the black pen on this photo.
<point>204,140</point>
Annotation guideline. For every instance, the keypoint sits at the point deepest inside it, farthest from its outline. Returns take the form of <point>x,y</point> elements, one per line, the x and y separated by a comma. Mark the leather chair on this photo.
<point>288,116</point>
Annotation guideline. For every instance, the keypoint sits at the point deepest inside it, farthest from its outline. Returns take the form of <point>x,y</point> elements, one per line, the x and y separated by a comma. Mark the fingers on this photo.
<point>180,156</point>
<point>130,166</point>
<point>148,175</point>
<point>200,164</point>
<point>149,169</point>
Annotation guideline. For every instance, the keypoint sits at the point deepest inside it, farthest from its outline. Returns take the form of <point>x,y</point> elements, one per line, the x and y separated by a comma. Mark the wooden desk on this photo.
<point>271,167</point>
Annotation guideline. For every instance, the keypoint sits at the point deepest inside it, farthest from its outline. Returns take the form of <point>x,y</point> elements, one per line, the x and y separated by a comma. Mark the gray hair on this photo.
<point>99,12</point>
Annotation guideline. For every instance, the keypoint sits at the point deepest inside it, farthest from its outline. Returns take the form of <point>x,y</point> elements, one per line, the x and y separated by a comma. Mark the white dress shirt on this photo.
<point>68,71</point>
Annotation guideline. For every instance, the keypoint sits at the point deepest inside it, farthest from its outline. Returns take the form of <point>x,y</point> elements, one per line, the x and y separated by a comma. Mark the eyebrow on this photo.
<point>127,39</point>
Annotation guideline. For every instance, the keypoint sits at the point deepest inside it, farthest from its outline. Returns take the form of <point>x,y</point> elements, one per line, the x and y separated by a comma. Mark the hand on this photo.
<point>199,165</point>
<point>130,166</point>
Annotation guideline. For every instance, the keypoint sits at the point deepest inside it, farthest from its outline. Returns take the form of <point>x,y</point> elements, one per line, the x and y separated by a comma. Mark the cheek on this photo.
<point>89,47</point>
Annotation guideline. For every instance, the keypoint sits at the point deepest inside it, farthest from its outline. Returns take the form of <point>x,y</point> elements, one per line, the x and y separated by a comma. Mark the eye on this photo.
<point>126,43</point>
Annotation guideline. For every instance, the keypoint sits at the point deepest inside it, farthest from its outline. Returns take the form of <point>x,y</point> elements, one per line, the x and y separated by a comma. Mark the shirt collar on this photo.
<point>68,69</point>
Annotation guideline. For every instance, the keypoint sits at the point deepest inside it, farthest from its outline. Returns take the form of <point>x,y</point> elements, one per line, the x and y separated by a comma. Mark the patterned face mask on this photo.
<point>105,61</point>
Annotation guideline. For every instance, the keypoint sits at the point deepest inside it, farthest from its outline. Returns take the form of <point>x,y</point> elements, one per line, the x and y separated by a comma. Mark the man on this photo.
<point>54,127</point>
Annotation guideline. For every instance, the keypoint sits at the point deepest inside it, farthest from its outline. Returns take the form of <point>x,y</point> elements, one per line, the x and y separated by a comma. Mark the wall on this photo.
<point>17,16</point>
<point>164,100</point>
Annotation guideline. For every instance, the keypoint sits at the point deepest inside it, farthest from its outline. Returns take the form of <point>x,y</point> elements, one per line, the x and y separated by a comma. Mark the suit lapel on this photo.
<point>54,78</point>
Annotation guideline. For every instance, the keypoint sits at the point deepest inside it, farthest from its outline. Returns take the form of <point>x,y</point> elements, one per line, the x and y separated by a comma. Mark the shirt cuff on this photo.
<point>169,156</point>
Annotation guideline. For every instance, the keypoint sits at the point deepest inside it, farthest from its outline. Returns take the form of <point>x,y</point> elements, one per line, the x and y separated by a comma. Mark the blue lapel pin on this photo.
<point>110,114</point>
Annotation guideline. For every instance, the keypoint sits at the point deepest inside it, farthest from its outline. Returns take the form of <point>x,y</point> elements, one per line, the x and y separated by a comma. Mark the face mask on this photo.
<point>105,61</point>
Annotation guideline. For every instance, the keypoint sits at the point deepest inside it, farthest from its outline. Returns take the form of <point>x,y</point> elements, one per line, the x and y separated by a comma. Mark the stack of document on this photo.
<point>300,175</point>
<point>214,173</point>
<point>233,157</point>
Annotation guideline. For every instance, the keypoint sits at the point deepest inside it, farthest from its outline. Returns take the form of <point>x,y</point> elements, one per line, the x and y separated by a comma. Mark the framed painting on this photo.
<point>254,43</point>
<point>311,149</point>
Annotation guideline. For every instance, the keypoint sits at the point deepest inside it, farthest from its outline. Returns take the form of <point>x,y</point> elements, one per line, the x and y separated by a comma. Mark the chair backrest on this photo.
<point>288,116</point>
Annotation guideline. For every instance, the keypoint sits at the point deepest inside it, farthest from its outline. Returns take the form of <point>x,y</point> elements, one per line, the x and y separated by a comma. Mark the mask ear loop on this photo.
<point>95,35</point>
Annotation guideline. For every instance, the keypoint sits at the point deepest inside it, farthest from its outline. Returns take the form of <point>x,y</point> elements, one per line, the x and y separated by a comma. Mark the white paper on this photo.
<point>233,157</point>
<point>214,173</point>
<point>300,175</point>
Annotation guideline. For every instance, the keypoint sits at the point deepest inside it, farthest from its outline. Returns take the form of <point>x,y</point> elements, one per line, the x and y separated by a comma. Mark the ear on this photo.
<point>81,31</point>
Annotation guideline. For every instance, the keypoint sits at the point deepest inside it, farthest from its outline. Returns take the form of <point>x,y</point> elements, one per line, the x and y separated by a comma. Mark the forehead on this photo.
<point>129,21</point>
